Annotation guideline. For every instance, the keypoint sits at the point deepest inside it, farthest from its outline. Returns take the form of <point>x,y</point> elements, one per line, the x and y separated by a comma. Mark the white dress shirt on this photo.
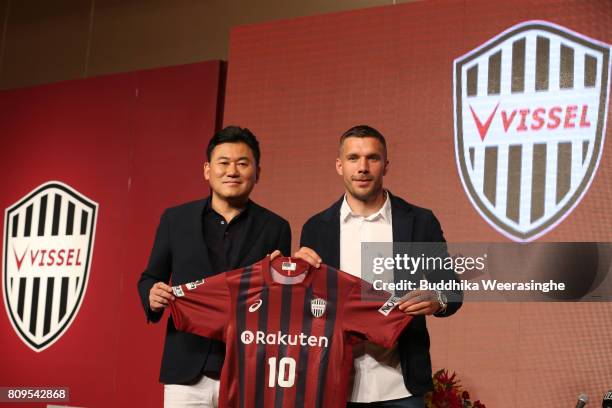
<point>378,373</point>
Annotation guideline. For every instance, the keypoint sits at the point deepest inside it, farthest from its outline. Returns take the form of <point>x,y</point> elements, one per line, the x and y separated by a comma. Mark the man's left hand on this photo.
<point>420,302</point>
<point>305,254</point>
<point>275,254</point>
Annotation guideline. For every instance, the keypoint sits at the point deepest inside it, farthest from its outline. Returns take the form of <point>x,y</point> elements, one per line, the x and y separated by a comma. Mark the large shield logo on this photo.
<point>530,112</point>
<point>48,244</point>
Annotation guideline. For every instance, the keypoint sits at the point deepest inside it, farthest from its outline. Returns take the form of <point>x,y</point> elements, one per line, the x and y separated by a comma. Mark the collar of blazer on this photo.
<point>402,214</point>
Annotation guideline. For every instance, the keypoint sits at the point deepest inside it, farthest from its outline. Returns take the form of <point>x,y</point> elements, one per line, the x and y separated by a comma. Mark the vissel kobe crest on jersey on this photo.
<point>530,112</point>
<point>317,307</point>
<point>48,245</point>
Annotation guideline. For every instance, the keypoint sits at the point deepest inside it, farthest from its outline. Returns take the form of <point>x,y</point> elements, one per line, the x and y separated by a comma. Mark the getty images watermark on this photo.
<point>572,271</point>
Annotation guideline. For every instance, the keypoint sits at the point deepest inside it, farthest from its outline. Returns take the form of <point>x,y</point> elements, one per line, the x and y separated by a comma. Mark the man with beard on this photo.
<point>397,377</point>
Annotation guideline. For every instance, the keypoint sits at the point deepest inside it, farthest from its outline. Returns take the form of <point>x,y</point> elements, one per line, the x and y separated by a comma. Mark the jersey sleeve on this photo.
<point>202,307</point>
<point>373,314</point>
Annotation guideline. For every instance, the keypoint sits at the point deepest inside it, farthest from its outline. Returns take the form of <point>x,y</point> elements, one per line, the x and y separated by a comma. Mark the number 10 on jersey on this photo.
<point>285,375</point>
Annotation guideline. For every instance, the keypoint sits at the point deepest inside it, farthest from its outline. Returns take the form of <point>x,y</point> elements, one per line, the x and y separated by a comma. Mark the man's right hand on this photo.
<point>159,296</point>
<point>308,255</point>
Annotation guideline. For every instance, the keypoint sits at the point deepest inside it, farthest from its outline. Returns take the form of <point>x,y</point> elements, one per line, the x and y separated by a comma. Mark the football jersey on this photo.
<point>287,345</point>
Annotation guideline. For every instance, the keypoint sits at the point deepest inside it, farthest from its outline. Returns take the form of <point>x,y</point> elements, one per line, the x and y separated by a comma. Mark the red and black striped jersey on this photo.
<point>287,345</point>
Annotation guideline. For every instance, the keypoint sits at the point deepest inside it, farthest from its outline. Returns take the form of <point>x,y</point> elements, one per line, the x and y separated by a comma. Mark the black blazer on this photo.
<point>180,255</point>
<point>410,224</point>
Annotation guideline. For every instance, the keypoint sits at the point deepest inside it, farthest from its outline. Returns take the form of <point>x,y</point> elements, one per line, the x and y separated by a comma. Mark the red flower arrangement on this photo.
<point>448,393</point>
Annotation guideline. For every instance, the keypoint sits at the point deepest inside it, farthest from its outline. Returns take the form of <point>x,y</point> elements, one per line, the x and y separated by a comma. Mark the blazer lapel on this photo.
<point>402,222</point>
<point>198,225</point>
<point>332,240</point>
<point>254,224</point>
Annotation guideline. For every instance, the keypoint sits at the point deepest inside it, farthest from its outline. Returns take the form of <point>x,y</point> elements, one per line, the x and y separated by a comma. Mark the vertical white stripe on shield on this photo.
<point>551,179</point>
<point>525,189</point>
<point>40,316</point>
<point>483,77</point>
<point>27,302</point>
<point>57,287</point>
<point>555,56</point>
<point>78,214</point>
<point>577,169</point>
<point>49,216</point>
<point>501,193</point>
<point>530,62</point>
<point>63,213</point>
<point>506,69</point>
<point>579,69</point>
<point>35,217</point>
<point>478,179</point>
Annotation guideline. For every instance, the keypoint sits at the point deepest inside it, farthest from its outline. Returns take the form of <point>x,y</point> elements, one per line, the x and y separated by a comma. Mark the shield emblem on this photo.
<point>530,112</point>
<point>48,244</point>
<point>317,307</point>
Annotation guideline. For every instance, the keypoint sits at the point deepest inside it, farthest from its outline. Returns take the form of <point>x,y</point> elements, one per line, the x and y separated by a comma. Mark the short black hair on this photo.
<point>364,131</point>
<point>234,134</point>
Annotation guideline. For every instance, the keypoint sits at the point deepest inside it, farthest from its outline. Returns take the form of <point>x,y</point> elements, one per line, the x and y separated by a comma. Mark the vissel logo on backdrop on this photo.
<point>48,244</point>
<point>530,112</point>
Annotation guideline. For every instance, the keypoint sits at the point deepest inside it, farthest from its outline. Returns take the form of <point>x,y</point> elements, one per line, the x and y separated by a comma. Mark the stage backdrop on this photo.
<point>495,115</point>
<point>123,147</point>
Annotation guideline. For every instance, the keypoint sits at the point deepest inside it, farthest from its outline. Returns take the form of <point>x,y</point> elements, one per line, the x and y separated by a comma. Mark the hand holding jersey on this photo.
<point>159,296</point>
<point>421,302</point>
<point>308,255</point>
<point>299,334</point>
<point>416,302</point>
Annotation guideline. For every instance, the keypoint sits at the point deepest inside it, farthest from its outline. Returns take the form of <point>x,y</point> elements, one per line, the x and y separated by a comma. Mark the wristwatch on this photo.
<point>442,300</point>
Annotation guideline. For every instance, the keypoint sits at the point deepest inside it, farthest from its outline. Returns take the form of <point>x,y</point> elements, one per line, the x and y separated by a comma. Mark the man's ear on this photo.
<point>257,173</point>
<point>339,166</point>
<point>206,171</point>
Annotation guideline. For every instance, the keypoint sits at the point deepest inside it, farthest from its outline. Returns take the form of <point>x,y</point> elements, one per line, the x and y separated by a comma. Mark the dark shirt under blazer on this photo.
<point>180,255</point>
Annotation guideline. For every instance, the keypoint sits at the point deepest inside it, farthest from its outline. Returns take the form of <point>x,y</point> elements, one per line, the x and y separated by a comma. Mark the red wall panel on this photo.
<point>173,121</point>
<point>300,83</point>
<point>134,143</point>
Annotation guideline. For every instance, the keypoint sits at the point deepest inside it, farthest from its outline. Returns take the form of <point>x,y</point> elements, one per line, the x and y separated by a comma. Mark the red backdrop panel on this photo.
<point>134,143</point>
<point>299,84</point>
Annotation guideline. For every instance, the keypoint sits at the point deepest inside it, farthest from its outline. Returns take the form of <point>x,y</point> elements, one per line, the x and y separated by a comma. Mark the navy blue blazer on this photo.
<point>410,224</point>
<point>180,255</point>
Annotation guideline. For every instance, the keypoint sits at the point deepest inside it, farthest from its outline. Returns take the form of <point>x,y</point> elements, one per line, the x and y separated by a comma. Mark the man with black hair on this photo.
<point>397,377</point>
<point>200,239</point>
